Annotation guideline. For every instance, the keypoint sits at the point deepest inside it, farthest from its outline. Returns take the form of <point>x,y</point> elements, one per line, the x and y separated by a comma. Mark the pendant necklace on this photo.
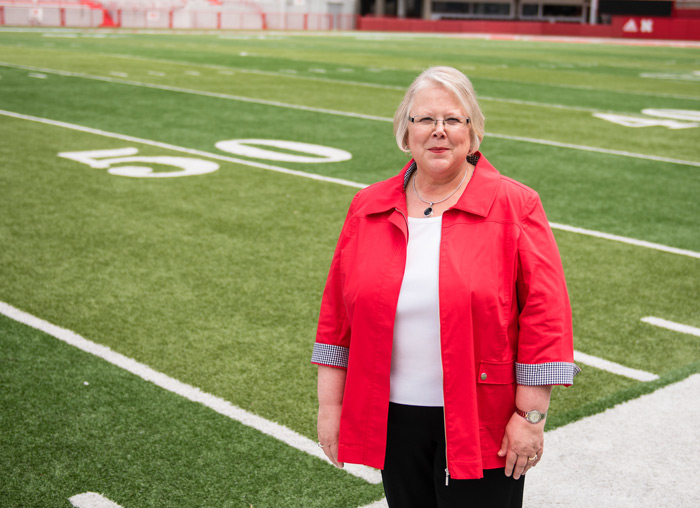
<point>428,212</point>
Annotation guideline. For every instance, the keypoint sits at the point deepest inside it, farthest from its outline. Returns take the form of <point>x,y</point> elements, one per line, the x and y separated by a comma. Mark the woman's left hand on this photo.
<point>521,442</point>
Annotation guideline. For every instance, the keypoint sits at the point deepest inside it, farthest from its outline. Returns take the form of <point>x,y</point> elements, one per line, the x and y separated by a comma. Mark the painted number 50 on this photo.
<point>104,159</point>
<point>188,166</point>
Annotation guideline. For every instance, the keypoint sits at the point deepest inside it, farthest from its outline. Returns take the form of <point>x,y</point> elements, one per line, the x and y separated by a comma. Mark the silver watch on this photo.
<point>533,416</point>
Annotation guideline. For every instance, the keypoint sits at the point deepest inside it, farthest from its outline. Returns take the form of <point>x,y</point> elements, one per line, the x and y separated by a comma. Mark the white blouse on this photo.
<point>416,365</point>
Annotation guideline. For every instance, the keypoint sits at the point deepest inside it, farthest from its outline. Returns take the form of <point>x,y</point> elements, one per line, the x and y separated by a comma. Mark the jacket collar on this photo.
<point>476,199</point>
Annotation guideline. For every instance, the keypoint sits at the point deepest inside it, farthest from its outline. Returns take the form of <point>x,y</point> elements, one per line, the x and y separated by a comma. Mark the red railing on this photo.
<point>642,27</point>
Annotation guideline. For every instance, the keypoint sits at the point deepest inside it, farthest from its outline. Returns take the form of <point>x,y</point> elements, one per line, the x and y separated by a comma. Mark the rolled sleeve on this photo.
<point>553,373</point>
<point>328,354</point>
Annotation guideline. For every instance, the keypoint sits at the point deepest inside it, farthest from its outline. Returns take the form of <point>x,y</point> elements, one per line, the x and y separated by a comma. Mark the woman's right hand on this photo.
<point>331,384</point>
<point>328,431</point>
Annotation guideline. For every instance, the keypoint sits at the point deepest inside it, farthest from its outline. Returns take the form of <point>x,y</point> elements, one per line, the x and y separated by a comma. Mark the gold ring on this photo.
<point>534,457</point>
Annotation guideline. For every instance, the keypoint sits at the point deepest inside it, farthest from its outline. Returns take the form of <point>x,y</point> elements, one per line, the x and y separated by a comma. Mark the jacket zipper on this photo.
<point>406,221</point>
<point>447,468</point>
<point>444,408</point>
<point>402,214</point>
<point>444,422</point>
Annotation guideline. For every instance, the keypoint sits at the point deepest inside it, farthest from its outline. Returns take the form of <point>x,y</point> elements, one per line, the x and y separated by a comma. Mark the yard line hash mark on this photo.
<point>585,148</point>
<point>92,500</point>
<point>671,325</point>
<point>221,406</point>
<point>613,367</point>
<point>393,87</point>
<point>339,181</point>
<point>282,73</point>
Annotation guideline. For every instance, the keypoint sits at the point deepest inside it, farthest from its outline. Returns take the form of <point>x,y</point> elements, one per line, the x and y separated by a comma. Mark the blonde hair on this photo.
<point>453,81</point>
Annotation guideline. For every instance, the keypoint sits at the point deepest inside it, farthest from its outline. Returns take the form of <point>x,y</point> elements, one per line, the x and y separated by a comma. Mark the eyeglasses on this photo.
<point>429,121</point>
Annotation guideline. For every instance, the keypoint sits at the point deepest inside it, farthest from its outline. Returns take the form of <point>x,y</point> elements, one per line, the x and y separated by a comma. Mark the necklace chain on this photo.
<point>429,211</point>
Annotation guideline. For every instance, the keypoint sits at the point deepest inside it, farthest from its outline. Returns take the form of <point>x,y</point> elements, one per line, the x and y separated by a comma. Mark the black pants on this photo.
<point>414,469</point>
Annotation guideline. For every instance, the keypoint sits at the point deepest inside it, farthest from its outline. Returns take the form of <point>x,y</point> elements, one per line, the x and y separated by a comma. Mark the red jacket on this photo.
<point>505,317</point>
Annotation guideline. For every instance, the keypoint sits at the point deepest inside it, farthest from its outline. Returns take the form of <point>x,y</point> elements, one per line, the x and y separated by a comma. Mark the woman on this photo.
<point>445,319</point>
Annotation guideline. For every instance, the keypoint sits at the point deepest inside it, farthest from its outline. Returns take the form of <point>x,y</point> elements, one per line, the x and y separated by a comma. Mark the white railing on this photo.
<point>50,16</point>
<point>72,14</point>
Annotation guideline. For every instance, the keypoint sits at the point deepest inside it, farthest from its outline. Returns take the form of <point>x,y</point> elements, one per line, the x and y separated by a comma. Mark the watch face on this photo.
<point>534,416</point>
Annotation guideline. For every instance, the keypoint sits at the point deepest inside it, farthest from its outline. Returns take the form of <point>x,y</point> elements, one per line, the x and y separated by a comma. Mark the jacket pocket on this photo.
<point>495,393</point>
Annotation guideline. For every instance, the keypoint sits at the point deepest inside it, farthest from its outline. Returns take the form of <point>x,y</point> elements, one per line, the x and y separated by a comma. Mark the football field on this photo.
<point>169,207</point>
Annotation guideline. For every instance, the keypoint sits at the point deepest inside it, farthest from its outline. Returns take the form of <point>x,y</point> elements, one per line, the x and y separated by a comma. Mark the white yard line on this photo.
<point>595,89</point>
<point>348,114</point>
<point>92,500</point>
<point>640,454</point>
<point>238,98</point>
<point>546,105</point>
<point>221,406</point>
<point>594,149</point>
<point>615,368</point>
<point>671,325</point>
<point>624,239</point>
<point>339,181</point>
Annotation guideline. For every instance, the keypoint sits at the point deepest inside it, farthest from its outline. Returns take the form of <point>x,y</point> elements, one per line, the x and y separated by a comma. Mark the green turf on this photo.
<point>73,423</point>
<point>216,279</point>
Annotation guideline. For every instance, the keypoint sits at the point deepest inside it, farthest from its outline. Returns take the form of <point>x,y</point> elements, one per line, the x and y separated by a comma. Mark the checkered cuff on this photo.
<point>554,373</point>
<point>327,354</point>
